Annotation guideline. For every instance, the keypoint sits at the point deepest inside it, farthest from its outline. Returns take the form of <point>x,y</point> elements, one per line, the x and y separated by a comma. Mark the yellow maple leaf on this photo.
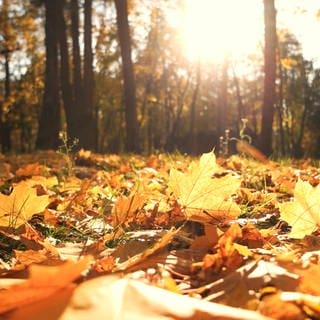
<point>20,205</point>
<point>303,213</point>
<point>203,196</point>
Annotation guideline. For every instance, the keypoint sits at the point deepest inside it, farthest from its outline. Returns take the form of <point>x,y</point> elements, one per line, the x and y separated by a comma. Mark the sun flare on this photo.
<point>212,29</point>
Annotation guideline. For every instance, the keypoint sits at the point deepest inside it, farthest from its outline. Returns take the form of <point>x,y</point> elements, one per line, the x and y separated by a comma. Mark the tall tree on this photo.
<point>49,124</point>
<point>7,47</point>
<point>222,105</point>
<point>192,127</point>
<point>132,138</point>
<point>77,76</point>
<point>65,79</point>
<point>88,116</point>
<point>269,96</point>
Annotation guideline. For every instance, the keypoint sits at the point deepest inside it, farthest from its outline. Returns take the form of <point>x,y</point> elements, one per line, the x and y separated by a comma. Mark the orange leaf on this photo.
<point>32,169</point>
<point>125,208</point>
<point>208,240</point>
<point>42,283</point>
<point>20,205</point>
<point>31,256</point>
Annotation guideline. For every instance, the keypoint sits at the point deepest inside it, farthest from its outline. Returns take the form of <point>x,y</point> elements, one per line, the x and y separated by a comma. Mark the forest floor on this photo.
<point>160,237</point>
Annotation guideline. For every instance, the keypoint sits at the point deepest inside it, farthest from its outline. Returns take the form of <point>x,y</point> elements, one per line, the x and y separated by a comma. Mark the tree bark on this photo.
<point>90,138</point>
<point>192,128</point>
<point>77,112</point>
<point>132,136</point>
<point>269,96</point>
<point>49,124</point>
<point>223,100</point>
<point>66,87</point>
<point>5,125</point>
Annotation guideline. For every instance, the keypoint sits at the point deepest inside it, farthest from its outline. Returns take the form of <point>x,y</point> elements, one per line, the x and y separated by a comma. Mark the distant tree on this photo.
<point>132,135</point>
<point>269,96</point>
<point>8,46</point>
<point>65,74</point>
<point>223,99</point>
<point>193,114</point>
<point>49,123</point>
<point>88,115</point>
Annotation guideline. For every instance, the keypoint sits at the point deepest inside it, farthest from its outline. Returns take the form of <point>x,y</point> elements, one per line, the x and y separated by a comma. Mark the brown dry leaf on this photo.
<point>23,202</point>
<point>208,240</point>
<point>32,169</point>
<point>105,264</point>
<point>252,237</point>
<point>80,196</point>
<point>25,258</point>
<point>125,208</point>
<point>227,255</point>
<point>309,282</point>
<point>140,257</point>
<point>273,306</point>
<point>253,277</point>
<point>204,197</point>
<point>303,213</point>
<point>248,149</point>
<point>42,283</point>
<point>129,299</point>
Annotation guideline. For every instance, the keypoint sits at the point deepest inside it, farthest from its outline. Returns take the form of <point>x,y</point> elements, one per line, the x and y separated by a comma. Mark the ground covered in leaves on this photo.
<point>161,237</point>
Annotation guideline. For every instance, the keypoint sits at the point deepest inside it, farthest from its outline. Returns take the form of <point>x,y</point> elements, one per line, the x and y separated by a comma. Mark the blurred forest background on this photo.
<point>121,76</point>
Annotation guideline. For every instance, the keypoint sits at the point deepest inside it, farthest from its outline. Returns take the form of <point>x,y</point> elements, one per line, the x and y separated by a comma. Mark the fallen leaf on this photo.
<point>303,213</point>
<point>125,208</point>
<point>43,282</point>
<point>31,256</point>
<point>134,300</point>
<point>273,306</point>
<point>32,169</point>
<point>140,257</point>
<point>17,208</point>
<point>208,240</point>
<point>204,197</point>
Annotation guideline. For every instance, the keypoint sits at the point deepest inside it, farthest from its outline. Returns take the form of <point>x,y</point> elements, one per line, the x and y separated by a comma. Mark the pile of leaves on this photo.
<point>158,237</point>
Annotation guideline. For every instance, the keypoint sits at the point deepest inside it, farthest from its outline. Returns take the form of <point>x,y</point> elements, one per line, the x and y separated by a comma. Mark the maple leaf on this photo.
<point>125,208</point>
<point>20,205</point>
<point>43,282</point>
<point>201,194</point>
<point>303,213</point>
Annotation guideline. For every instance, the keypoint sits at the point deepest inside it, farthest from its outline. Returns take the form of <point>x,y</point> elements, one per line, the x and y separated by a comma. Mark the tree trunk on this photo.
<point>49,124</point>
<point>132,138</point>
<point>192,128</point>
<point>5,124</point>
<point>282,147</point>
<point>90,137</point>
<point>77,112</point>
<point>223,100</point>
<point>269,97</point>
<point>66,87</point>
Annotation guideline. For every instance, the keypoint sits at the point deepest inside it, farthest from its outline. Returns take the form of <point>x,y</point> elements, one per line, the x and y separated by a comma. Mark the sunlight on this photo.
<point>212,29</point>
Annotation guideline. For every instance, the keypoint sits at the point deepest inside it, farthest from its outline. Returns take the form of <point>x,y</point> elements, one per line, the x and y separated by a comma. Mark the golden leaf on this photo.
<point>43,282</point>
<point>303,213</point>
<point>203,196</point>
<point>20,205</point>
<point>125,208</point>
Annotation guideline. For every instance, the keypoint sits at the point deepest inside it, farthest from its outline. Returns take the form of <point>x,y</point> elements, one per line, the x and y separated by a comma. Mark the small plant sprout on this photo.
<point>65,150</point>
